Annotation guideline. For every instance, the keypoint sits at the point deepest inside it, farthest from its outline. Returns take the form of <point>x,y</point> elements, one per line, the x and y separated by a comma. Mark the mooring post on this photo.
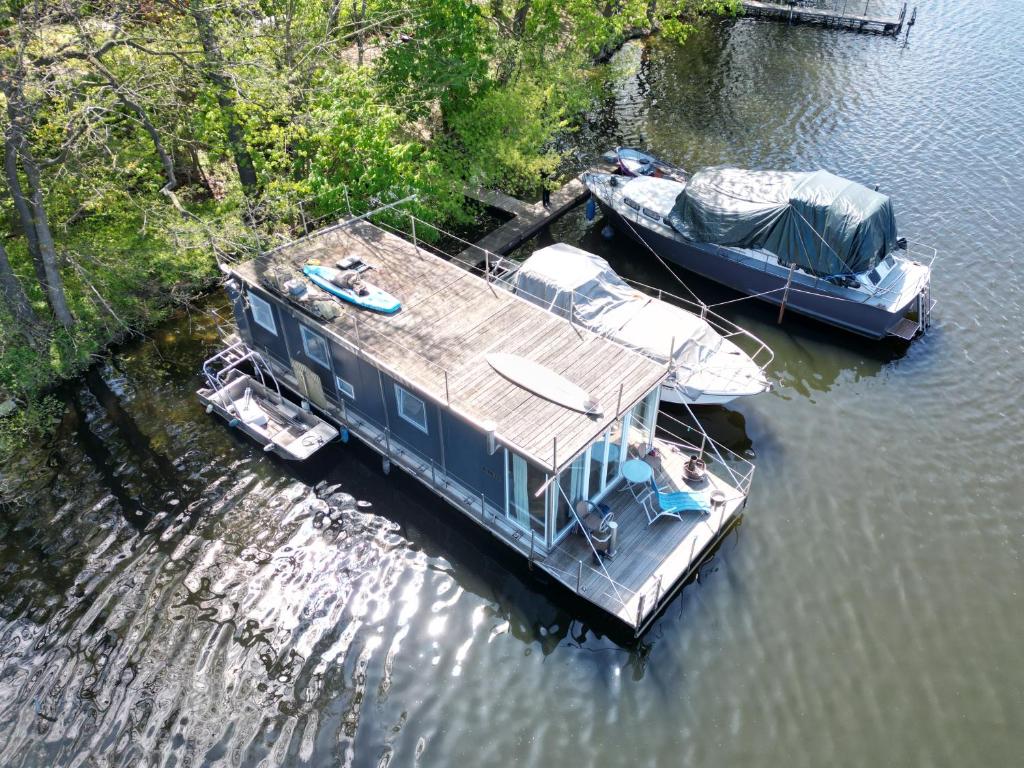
<point>657,590</point>
<point>785,294</point>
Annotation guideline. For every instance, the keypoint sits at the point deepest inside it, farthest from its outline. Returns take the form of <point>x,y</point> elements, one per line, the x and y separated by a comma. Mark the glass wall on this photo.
<point>572,486</point>
<point>590,476</point>
<point>640,425</point>
<point>524,508</point>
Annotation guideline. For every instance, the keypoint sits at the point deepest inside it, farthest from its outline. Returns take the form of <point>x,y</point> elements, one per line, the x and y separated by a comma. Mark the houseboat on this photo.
<point>537,430</point>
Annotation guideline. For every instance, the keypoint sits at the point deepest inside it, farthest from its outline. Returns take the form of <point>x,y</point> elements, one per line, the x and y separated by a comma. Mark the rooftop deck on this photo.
<point>449,321</point>
<point>650,558</point>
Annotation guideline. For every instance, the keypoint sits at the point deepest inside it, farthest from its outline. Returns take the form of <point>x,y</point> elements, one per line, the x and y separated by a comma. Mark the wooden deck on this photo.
<point>449,321</point>
<point>650,559</point>
<point>841,14</point>
<point>527,218</point>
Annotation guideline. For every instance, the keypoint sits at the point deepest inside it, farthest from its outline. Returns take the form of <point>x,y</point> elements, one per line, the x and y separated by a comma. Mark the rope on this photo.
<point>671,271</point>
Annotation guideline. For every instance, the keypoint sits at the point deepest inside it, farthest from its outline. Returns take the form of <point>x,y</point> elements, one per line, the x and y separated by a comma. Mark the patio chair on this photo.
<point>662,503</point>
<point>597,521</point>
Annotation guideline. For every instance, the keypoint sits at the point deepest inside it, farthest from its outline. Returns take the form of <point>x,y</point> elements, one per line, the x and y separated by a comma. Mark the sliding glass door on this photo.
<point>524,508</point>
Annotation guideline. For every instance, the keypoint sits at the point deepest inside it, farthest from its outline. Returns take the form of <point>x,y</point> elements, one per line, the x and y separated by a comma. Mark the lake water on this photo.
<point>169,598</point>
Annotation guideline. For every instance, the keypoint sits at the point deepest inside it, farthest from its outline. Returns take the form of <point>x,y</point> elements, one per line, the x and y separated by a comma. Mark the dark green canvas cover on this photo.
<point>819,221</point>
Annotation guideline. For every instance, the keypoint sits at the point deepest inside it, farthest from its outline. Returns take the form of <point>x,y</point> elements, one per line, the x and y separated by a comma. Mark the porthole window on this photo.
<point>411,408</point>
<point>262,313</point>
<point>315,347</point>
<point>345,388</point>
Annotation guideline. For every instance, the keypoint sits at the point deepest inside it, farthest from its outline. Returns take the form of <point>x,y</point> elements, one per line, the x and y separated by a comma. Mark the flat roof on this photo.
<point>450,320</point>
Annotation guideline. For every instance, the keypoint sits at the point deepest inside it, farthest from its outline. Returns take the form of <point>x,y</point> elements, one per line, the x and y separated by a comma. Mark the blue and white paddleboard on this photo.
<point>375,298</point>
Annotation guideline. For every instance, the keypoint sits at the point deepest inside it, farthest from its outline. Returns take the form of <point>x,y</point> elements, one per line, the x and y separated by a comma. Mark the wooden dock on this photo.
<point>844,14</point>
<point>527,218</point>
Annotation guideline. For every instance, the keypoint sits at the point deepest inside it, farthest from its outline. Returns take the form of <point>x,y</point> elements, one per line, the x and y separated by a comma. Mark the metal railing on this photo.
<point>761,356</point>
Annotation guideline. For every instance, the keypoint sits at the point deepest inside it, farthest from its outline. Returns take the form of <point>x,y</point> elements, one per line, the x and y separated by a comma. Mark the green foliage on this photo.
<point>19,428</point>
<point>341,104</point>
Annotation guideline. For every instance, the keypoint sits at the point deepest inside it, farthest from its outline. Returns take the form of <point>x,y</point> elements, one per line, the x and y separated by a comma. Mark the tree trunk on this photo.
<point>53,284</point>
<point>213,71</point>
<point>165,157</point>
<point>47,249</point>
<point>17,302</point>
<point>21,204</point>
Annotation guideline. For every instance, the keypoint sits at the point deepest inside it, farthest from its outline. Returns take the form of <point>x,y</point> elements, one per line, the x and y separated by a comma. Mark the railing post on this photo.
<point>657,590</point>
<point>412,221</point>
<point>348,203</point>
<point>483,508</point>
<point>447,397</point>
<point>639,611</point>
<point>530,562</point>
<point>579,576</point>
<point>433,473</point>
<point>618,407</point>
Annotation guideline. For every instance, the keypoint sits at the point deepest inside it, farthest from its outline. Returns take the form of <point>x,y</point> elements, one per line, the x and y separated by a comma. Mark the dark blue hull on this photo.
<point>705,260</point>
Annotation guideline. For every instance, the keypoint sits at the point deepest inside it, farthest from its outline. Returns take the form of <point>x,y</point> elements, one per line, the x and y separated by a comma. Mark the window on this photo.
<point>874,277</point>
<point>315,347</point>
<point>525,509</point>
<point>345,388</point>
<point>651,214</point>
<point>262,313</point>
<point>631,203</point>
<point>411,408</point>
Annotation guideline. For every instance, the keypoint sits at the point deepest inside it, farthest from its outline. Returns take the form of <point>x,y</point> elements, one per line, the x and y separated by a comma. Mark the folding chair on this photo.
<point>674,503</point>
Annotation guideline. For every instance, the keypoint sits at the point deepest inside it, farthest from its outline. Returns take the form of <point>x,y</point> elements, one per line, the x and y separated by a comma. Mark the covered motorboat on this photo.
<point>707,364</point>
<point>814,243</point>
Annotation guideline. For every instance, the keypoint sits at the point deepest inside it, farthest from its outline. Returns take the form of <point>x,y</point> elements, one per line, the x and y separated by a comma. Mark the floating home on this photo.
<point>420,387</point>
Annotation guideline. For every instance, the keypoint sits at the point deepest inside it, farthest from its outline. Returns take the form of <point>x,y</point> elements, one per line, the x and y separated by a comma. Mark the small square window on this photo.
<point>345,388</point>
<point>411,408</point>
<point>315,347</point>
<point>262,313</point>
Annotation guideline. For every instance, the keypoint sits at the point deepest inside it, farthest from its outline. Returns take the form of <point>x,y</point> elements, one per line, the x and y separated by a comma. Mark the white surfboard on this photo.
<point>543,382</point>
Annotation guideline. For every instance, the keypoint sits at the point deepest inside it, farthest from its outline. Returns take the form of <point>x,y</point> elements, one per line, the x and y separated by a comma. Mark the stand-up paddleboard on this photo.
<point>543,382</point>
<point>375,298</point>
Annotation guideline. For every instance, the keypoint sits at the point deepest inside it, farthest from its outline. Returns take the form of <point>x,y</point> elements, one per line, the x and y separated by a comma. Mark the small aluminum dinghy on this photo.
<point>259,410</point>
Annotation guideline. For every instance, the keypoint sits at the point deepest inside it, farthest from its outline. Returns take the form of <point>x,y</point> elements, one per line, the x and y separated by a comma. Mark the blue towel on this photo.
<point>679,500</point>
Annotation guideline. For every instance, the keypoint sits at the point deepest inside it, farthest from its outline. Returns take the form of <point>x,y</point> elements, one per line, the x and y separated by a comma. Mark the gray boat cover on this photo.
<point>820,222</point>
<point>561,277</point>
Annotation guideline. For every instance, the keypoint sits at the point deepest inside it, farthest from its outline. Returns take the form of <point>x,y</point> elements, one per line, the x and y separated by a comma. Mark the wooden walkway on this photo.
<point>527,218</point>
<point>842,14</point>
